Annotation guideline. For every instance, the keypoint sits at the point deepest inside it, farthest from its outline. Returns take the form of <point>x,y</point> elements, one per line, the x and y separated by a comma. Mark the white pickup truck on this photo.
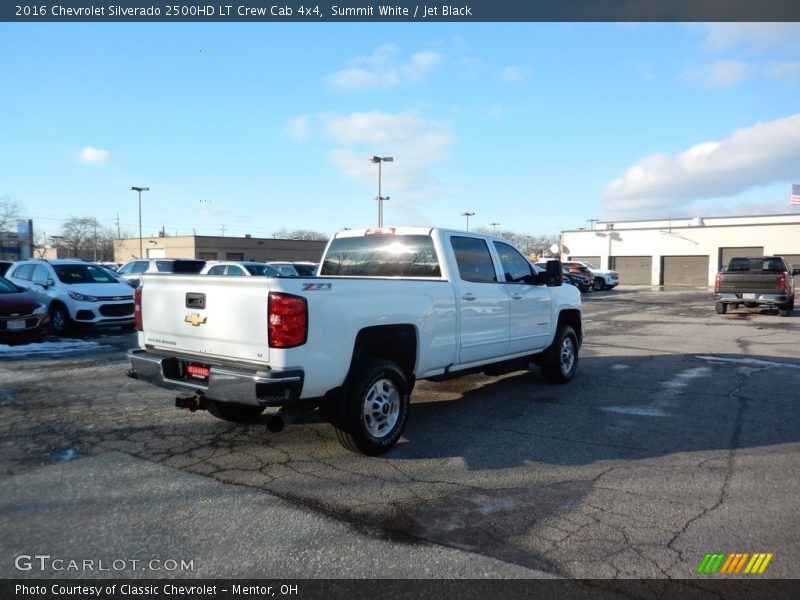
<point>388,307</point>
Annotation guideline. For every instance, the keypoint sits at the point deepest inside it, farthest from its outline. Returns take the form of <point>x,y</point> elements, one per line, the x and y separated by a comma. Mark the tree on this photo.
<point>528,244</point>
<point>10,213</point>
<point>79,233</point>
<point>299,234</point>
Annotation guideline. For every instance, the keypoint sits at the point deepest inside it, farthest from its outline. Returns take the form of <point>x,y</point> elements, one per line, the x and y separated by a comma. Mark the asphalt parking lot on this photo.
<point>679,436</point>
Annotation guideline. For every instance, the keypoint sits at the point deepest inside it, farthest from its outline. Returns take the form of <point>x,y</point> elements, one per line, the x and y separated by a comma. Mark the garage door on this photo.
<point>726,254</point>
<point>595,260</point>
<point>684,270</point>
<point>793,260</point>
<point>633,270</point>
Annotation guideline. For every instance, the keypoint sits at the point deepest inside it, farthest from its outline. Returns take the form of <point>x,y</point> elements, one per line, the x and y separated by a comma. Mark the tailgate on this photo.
<point>216,317</point>
<point>749,282</point>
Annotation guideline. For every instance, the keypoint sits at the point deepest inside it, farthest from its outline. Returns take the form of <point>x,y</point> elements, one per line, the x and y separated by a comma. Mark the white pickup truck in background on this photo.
<point>389,306</point>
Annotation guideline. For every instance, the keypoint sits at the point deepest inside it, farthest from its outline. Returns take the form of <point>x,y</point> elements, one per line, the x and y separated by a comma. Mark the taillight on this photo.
<point>137,308</point>
<point>287,320</point>
<point>782,282</point>
<point>717,281</point>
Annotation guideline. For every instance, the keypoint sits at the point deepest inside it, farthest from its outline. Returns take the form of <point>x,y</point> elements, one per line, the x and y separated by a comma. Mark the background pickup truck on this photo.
<point>389,306</point>
<point>755,281</point>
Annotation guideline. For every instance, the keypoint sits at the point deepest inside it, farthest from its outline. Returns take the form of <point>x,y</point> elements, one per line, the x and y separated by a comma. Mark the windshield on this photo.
<point>88,273</point>
<point>6,287</point>
<point>265,270</point>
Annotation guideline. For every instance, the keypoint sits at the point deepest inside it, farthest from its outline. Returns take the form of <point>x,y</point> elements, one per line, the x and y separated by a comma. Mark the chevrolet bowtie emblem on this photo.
<point>195,319</point>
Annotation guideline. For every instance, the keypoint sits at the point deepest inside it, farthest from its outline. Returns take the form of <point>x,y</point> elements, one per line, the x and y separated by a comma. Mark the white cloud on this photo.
<point>298,128</point>
<point>788,71</point>
<point>94,156</point>
<point>720,73</point>
<point>514,74</point>
<point>723,36</point>
<point>414,142</point>
<point>384,68</point>
<point>761,154</point>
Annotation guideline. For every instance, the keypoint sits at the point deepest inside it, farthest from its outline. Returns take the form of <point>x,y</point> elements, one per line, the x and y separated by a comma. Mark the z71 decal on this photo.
<point>314,287</point>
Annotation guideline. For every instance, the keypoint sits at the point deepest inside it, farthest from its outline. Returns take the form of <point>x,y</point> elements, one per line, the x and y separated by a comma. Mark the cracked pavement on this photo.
<point>679,436</point>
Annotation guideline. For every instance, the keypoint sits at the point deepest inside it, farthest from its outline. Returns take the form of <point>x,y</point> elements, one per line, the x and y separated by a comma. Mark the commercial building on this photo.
<point>219,248</point>
<point>686,252</point>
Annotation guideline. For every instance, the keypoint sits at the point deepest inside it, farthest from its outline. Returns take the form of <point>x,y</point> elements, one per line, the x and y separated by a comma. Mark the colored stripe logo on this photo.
<point>740,562</point>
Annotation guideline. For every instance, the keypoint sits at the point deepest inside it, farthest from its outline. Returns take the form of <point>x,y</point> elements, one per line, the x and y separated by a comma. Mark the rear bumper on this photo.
<point>225,383</point>
<point>757,298</point>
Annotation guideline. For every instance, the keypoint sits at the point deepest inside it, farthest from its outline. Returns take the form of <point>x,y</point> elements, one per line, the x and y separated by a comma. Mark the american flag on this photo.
<point>795,198</point>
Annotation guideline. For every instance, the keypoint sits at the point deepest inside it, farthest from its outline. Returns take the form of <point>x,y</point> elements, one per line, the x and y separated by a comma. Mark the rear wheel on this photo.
<point>721,308</point>
<point>235,413</point>
<point>560,360</point>
<point>376,401</point>
<point>784,310</point>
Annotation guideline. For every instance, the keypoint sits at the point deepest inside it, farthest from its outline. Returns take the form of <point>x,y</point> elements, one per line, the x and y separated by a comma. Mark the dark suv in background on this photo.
<point>132,271</point>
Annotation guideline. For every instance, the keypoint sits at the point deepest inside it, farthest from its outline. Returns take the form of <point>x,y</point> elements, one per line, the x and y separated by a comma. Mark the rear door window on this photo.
<point>474,260</point>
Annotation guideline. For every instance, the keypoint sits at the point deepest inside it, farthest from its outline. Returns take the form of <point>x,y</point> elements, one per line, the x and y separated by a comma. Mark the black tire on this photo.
<point>60,321</point>
<point>721,308</point>
<point>598,284</point>
<point>784,310</point>
<point>235,413</point>
<point>560,360</point>
<point>376,406</point>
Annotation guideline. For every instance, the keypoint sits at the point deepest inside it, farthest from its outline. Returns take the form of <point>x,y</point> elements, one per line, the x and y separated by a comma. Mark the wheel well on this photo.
<point>397,343</point>
<point>57,303</point>
<point>572,318</point>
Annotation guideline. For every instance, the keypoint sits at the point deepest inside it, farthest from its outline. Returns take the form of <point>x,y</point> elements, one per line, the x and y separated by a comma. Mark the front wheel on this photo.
<point>598,284</point>
<point>376,400</point>
<point>561,358</point>
<point>59,319</point>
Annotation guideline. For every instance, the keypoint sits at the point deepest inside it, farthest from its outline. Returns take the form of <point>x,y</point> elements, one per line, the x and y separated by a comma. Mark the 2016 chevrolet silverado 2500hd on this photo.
<point>388,307</point>
<point>756,281</point>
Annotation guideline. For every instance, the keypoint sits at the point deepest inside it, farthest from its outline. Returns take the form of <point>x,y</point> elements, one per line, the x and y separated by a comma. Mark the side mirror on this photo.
<point>554,273</point>
<point>795,271</point>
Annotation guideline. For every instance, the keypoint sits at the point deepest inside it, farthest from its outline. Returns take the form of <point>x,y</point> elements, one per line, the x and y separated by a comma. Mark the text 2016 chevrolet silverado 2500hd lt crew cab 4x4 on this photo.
<point>763,280</point>
<point>388,307</point>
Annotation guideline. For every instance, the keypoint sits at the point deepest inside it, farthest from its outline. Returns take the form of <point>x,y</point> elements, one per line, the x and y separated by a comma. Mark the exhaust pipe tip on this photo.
<point>275,424</point>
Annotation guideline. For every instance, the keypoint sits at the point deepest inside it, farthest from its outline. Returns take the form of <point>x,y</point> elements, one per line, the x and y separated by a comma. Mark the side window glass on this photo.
<point>125,269</point>
<point>140,266</point>
<point>217,270</point>
<point>234,270</point>
<point>24,272</point>
<point>39,275</point>
<point>515,267</point>
<point>474,259</point>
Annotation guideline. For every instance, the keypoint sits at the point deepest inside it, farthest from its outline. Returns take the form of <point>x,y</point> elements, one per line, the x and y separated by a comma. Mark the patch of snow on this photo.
<point>638,411</point>
<point>749,361</point>
<point>59,347</point>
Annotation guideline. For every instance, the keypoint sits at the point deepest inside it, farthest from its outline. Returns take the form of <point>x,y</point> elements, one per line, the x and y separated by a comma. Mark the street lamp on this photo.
<point>140,190</point>
<point>468,215</point>
<point>380,160</point>
<point>494,227</point>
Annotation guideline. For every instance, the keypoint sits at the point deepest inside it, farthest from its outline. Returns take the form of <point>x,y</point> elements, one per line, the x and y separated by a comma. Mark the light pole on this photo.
<point>380,160</point>
<point>494,227</point>
<point>140,190</point>
<point>468,215</point>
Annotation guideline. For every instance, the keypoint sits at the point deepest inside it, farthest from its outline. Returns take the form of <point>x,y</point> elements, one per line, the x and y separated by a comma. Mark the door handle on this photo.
<point>468,296</point>
<point>516,296</point>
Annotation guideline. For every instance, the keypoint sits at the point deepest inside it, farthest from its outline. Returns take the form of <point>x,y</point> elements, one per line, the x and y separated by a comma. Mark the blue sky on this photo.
<point>261,126</point>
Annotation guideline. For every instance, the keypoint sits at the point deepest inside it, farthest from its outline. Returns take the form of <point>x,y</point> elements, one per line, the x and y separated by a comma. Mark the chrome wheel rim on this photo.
<point>567,355</point>
<point>58,320</point>
<point>380,409</point>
